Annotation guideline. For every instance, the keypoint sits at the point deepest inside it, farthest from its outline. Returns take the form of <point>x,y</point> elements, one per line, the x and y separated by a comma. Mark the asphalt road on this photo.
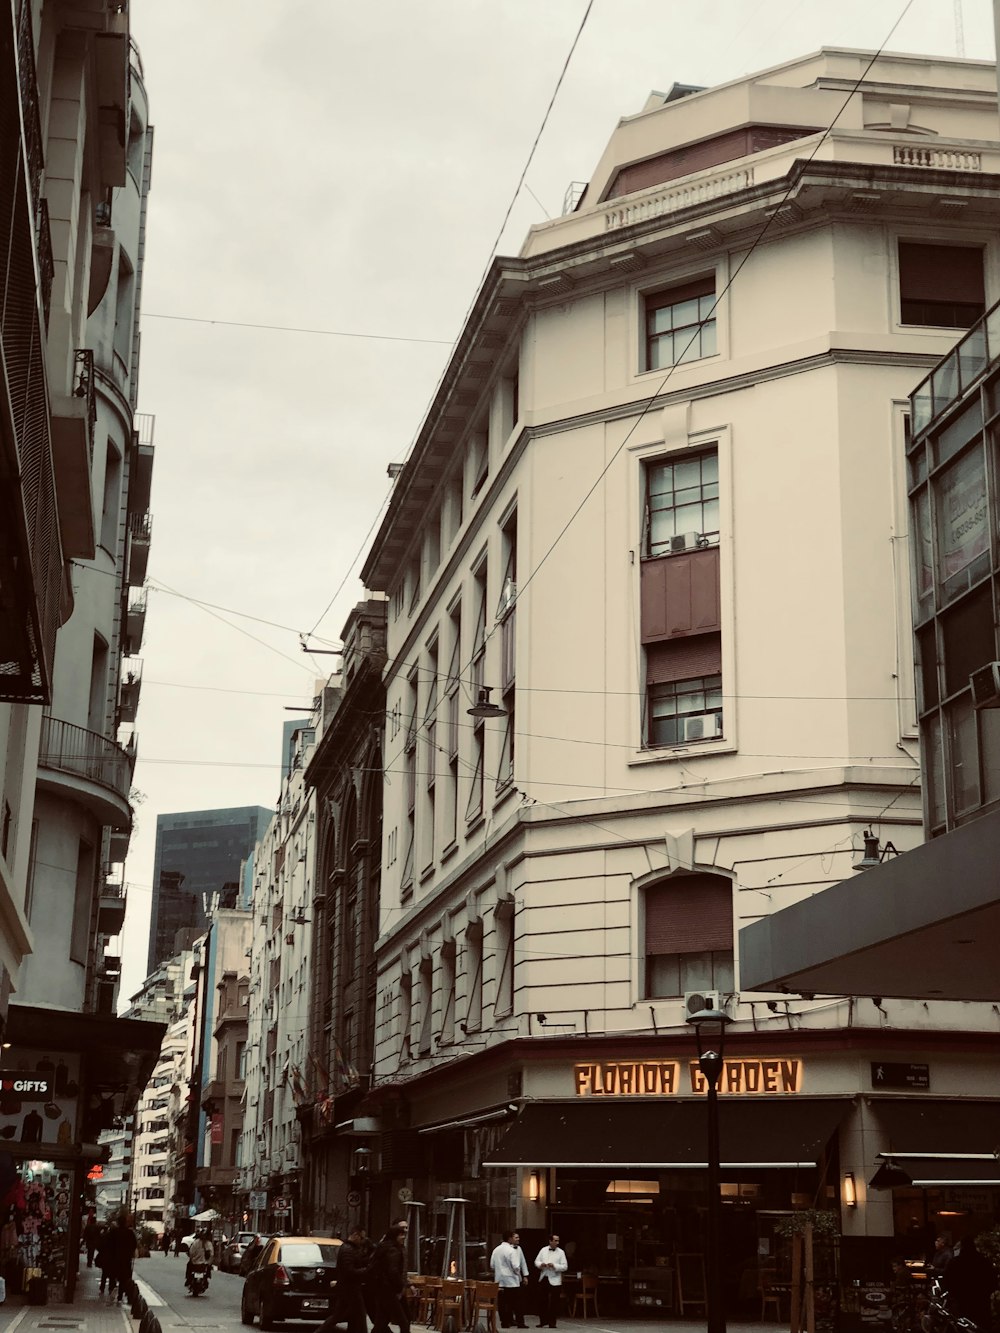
<point>161,1279</point>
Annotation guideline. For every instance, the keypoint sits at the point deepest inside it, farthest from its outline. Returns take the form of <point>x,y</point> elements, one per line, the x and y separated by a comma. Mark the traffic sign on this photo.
<point>354,1199</point>
<point>258,1199</point>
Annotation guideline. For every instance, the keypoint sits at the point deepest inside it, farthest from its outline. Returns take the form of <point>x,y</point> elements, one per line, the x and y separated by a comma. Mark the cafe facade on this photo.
<point>604,1142</point>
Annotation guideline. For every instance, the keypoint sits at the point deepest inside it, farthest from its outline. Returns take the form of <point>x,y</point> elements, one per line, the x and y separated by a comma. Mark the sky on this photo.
<point>345,169</point>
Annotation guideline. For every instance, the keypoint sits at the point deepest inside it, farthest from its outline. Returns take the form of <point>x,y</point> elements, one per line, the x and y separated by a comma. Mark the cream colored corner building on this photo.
<point>658,508</point>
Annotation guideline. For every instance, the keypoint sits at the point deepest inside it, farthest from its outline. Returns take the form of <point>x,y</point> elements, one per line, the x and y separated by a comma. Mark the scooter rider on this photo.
<point>200,1253</point>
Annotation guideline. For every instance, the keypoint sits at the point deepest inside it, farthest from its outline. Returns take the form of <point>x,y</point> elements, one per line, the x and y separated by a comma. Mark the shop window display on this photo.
<point>34,1237</point>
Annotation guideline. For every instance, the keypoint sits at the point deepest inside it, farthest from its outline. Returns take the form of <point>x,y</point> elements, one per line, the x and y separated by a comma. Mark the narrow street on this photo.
<point>161,1281</point>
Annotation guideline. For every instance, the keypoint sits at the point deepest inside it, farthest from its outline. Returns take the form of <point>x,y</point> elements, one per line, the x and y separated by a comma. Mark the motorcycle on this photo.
<point>197,1280</point>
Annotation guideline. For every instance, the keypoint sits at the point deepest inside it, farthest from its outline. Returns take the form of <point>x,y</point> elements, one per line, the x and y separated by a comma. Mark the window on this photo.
<point>685,710</point>
<point>410,781</point>
<point>480,454</point>
<point>426,979</point>
<point>474,975</point>
<point>84,893</point>
<point>507,615</point>
<point>503,939</point>
<point>414,580</point>
<point>688,935</point>
<point>680,324</point>
<point>110,512</point>
<point>431,753</point>
<point>682,498</point>
<point>449,953</point>
<point>940,286</point>
<point>452,712</point>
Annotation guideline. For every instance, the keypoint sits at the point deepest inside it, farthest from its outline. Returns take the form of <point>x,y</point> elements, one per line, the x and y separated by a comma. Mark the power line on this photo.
<point>238,628</point>
<point>364,543</point>
<point>290,328</point>
<point>648,404</point>
<point>155,586</point>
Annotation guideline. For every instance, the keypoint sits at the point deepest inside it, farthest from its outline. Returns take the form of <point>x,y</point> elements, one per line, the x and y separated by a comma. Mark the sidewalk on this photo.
<point>89,1313</point>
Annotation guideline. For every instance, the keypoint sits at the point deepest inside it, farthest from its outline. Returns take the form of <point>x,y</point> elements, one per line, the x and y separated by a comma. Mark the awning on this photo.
<point>935,1174</point>
<point>937,1128</point>
<point>938,1144</point>
<point>791,1132</point>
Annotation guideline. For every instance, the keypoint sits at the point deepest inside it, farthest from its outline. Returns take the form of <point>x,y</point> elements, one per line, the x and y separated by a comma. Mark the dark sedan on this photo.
<point>294,1278</point>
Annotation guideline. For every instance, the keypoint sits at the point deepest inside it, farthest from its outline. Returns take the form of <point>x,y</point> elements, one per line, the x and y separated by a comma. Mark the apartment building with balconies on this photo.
<point>75,466</point>
<point>278,1056</point>
<point>648,677</point>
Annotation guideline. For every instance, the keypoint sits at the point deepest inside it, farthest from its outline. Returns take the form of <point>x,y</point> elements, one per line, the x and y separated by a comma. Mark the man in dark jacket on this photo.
<point>388,1280</point>
<point>969,1280</point>
<point>123,1247</point>
<point>349,1297</point>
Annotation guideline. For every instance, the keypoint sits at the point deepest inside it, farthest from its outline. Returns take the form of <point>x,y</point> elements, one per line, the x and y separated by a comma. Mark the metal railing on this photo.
<point>85,385</point>
<point>71,749</point>
<point>141,526</point>
<point>46,262</point>
<point>956,372</point>
<point>29,102</point>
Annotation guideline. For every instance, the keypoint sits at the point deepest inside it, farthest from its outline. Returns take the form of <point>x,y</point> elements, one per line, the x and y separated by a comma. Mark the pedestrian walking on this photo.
<point>510,1273</point>
<point>388,1280</point>
<point>91,1235</point>
<point>349,1295</point>
<point>105,1259</point>
<point>124,1244</point>
<point>165,1240</point>
<point>551,1263</point>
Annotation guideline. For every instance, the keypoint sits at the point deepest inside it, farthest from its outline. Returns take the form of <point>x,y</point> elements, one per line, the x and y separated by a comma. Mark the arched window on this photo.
<point>688,935</point>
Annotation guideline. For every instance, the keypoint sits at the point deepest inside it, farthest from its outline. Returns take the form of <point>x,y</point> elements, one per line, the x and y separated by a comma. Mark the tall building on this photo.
<point>647,678</point>
<point>346,772</point>
<point>279,1059</point>
<point>75,471</point>
<point>198,854</point>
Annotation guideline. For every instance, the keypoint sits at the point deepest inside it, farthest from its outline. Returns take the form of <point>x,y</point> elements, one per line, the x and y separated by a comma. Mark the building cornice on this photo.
<point>810,194</point>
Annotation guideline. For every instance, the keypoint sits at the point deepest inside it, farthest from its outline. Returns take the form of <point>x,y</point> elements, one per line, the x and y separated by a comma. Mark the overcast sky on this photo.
<point>346,167</point>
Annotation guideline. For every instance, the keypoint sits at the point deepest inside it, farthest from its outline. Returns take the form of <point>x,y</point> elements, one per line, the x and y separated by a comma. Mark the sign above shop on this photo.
<point>26,1086</point>
<point>666,1078</point>
<point>886,1075</point>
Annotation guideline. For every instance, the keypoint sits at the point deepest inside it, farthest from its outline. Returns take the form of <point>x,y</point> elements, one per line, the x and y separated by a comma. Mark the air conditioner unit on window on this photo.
<point>701,727</point>
<point>686,541</point>
<point>697,1000</point>
<point>986,686</point>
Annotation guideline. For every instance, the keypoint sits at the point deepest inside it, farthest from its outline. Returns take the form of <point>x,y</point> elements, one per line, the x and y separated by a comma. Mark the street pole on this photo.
<point>710,1029</point>
<point>711,1066</point>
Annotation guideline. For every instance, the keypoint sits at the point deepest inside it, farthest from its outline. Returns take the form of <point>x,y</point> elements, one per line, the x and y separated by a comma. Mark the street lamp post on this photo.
<point>710,1029</point>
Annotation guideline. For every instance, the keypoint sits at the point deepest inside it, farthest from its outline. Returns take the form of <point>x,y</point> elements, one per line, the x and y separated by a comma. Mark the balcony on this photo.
<point>87,768</point>
<point>135,620</point>
<point>140,475</point>
<point>74,420</point>
<point>140,528</point>
<point>128,689</point>
<point>111,909</point>
<point>111,965</point>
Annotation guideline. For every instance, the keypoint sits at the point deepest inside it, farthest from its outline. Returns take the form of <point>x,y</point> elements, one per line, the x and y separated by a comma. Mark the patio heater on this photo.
<point>453,1262</point>
<point>413,1236</point>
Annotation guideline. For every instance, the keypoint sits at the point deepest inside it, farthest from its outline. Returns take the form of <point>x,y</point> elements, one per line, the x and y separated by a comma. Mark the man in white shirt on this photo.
<point>551,1264</point>
<point>510,1272</point>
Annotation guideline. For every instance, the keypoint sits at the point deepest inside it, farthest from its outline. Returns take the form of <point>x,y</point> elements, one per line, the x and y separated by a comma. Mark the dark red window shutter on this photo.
<point>684,659</point>
<point>679,594</point>
<point>941,273</point>
<point>689,914</point>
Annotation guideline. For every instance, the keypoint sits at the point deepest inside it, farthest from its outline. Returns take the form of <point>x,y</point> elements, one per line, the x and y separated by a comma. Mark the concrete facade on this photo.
<point>529,859</point>
<point>278,1053</point>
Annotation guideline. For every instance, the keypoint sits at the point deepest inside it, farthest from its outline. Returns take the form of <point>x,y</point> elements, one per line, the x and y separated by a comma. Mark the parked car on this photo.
<point>294,1279</point>
<point>232,1251</point>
